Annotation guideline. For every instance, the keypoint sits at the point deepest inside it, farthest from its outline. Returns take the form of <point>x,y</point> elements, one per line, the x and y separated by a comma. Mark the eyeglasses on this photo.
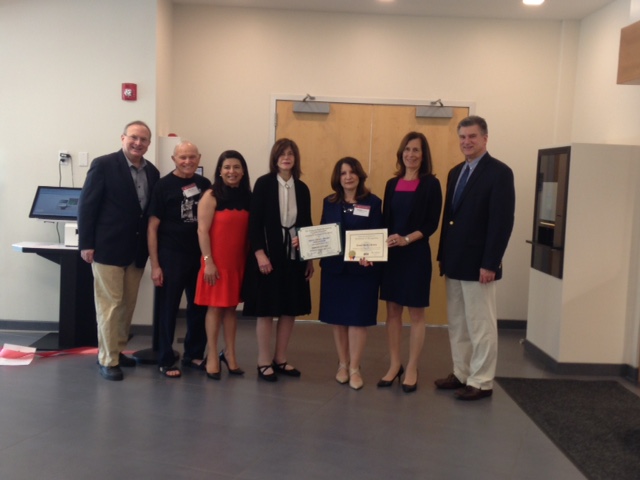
<point>135,138</point>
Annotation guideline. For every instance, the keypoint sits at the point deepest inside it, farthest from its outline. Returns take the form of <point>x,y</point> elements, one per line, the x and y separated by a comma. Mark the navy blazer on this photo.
<point>425,209</point>
<point>265,229</point>
<point>110,220</point>
<point>476,234</point>
<point>332,213</point>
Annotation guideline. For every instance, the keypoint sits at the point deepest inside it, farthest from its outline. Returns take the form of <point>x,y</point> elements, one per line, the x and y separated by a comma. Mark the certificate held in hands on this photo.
<point>368,244</point>
<point>319,241</point>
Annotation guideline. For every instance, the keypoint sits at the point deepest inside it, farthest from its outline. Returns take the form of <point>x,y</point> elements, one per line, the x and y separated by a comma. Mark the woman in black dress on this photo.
<point>276,281</point>
<point>412,206</point>
<point>349,290</point>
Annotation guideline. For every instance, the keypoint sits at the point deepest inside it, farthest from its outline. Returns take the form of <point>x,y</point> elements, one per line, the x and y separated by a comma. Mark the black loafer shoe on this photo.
<point>111,373</point>
<point>125,361</point>
<point>449,383</point>
<point>470,393</point>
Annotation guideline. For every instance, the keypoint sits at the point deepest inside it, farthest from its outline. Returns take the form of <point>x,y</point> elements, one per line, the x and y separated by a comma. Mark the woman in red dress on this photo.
<point>223,219</point>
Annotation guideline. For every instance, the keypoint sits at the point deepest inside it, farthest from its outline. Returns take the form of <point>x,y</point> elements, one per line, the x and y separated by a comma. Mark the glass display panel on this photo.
<point>552,181</point>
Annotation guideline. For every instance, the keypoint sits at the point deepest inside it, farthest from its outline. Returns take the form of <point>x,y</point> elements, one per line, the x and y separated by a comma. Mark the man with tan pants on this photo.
<point>112,225</point>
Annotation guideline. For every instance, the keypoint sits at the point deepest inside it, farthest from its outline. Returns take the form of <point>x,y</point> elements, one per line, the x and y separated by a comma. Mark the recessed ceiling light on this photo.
<point>533,2</point>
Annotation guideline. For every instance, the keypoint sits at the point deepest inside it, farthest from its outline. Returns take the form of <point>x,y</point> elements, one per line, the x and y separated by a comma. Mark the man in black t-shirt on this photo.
<point>175,258</point>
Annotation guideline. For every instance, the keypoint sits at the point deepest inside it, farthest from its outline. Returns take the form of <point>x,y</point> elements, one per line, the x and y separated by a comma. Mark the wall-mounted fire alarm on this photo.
<point>129,91</point>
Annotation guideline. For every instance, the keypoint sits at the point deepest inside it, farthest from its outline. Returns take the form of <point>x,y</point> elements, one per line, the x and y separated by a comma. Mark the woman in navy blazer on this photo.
<point>412,206</point>
<point>349,290</point>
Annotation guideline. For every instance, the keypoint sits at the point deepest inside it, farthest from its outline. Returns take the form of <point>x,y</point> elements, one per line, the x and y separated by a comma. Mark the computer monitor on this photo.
<point>56,203</point>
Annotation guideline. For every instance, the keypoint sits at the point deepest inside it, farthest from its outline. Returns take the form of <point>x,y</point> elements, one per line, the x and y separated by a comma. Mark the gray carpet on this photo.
<point>595,423</point>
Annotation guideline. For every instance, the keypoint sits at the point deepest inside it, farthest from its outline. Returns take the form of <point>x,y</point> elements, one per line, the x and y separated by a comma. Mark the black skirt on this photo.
<point>285,291</point>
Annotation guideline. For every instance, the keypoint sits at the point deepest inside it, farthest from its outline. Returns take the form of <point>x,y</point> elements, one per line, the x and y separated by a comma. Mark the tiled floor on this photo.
<point>59,420</point>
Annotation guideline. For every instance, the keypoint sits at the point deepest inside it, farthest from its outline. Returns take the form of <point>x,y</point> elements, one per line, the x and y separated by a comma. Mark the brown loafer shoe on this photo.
<point>470,393</point>
<point>449,383</point>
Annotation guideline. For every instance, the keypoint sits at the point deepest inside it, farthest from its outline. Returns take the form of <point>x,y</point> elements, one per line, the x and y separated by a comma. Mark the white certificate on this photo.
<point>319,241</point>
<point>368,244</point>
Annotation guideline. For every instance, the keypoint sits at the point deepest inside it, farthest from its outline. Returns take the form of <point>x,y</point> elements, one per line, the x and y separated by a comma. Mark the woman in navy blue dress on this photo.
<point>412,206</point>
<point>349,290</point>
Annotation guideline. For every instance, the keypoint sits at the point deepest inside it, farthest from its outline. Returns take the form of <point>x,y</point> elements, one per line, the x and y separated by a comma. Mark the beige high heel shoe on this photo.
<point>355,379</point>
<point>342,375</point>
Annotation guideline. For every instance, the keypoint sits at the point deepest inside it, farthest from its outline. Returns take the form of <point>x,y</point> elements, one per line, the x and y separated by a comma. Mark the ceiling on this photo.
<point>508,9</point>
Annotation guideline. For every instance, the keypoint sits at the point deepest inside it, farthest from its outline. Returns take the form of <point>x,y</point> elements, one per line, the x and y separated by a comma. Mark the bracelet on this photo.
<point>206,257</point>
<point>406,239</point>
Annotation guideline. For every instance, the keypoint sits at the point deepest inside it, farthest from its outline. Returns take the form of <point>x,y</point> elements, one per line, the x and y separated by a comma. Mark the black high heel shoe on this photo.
<point>388,383</point>
<point>214,375</point>
<point>409,388</point>
<point>232,371</point>
<point>406,388</point>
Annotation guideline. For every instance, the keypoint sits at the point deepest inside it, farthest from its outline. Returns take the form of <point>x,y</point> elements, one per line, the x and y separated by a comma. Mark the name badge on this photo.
<point>190,190</point>
<point>361,210</point>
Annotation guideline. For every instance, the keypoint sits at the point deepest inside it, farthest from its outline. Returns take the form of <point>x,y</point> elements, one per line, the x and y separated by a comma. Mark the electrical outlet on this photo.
<point>64,158</point>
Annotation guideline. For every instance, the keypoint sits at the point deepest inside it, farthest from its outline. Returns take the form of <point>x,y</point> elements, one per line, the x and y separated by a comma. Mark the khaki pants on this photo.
<point>473,331</point>
<point>116,293</point>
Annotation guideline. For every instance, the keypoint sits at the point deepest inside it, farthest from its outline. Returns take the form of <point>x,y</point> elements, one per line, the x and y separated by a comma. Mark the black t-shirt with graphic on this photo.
<point>175,203</point>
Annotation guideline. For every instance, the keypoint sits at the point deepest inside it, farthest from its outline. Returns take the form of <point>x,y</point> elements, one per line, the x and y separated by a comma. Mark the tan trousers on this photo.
<point>473,331</point>
<point>116,292</point>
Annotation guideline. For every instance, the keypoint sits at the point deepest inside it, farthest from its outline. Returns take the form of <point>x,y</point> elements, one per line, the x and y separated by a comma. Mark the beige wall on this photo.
<point>519,75</point>
<point>223,66</point>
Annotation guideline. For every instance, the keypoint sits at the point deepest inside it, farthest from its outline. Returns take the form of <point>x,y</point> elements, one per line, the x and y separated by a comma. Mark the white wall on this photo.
<point>63,62</point>
<point>585,316</point>
<point>69,57</point>
<point>605,112</point>
<point>608,113</point>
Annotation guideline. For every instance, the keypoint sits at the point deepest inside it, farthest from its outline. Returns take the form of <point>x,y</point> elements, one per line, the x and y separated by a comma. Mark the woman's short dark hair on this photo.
<point>218,183</point>
<point>278,149</point>
<point>426,166</point>
<point>361,191</point>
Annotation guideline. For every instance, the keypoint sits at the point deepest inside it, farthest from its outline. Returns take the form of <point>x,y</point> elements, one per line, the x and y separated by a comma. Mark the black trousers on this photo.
<point>180,272</point>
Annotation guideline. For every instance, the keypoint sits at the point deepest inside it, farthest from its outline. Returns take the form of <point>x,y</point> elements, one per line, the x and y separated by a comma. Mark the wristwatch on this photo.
<point>406,239</point>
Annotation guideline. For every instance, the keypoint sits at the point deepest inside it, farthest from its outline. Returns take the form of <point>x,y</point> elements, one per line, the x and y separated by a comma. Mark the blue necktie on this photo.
<point>461,184</point>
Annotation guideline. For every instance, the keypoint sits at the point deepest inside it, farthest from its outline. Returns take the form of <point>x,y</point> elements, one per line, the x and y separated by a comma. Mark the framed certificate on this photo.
<point>368,244</point>
<point>320,241</point>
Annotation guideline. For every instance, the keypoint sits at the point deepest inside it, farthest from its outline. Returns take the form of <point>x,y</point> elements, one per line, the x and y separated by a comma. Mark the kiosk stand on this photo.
<point>77,315</point>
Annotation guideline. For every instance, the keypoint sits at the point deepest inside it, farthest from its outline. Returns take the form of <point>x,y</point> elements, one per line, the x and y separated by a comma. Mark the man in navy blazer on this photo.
<point>476,225</point>
<point>112,226</point>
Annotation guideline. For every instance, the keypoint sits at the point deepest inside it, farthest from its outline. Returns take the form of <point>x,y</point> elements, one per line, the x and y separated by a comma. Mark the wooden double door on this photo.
<point>370,133</point>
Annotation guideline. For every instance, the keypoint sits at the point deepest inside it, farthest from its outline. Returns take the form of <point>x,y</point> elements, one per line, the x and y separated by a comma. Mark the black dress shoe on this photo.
<point>470,393</point>
<point>125,361</point>
<point>281,368</point>
<point>449,383</point>
<point>387,383</point>
<point>111,373</point>
<point>269,377</point>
